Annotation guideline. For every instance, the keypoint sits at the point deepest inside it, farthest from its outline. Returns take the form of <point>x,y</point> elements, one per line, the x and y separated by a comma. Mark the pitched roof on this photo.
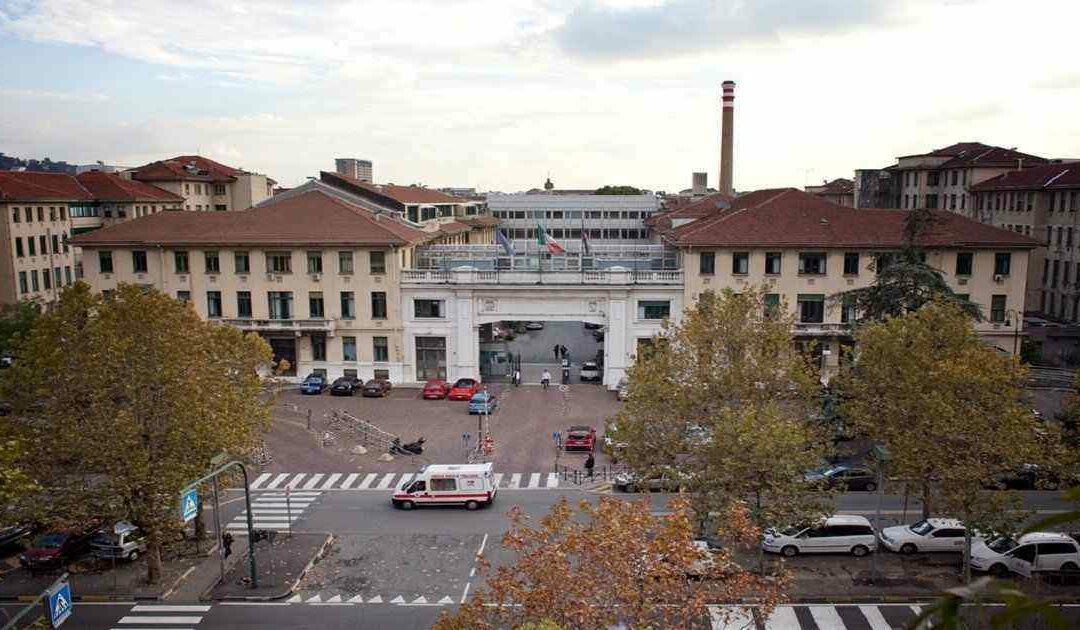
<point>1042,177</point>
<point>185,167</point>
<point>400,194</point>
<point>36,186</point>
<point>310,219</point>
<point>973,154</point>
<point>838,186</point>
<point>703,207</point>
<point>792,218</point>
<point>112,187</point>
<point>480,220</point>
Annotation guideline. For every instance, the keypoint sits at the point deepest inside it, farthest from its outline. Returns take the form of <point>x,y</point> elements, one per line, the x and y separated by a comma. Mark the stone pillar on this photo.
<point>616,352</point>
<point>466,346</point>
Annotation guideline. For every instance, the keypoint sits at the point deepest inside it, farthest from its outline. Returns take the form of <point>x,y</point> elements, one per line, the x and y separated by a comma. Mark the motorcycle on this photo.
<point>411,448</point>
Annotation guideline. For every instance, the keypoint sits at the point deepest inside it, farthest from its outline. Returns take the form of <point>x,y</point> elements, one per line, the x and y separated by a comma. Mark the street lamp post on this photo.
<point>1014,319</point>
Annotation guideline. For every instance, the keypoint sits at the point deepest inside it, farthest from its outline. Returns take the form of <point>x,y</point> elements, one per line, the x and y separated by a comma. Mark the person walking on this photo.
<point>590,463</point>
<point>557,350</point>
<point>517,377</point>
<point>226,542</point>
<point>545,379</point>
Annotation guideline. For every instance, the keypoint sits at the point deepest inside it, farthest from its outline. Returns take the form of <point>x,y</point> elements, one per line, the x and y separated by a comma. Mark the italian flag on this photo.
<point>543,239</point>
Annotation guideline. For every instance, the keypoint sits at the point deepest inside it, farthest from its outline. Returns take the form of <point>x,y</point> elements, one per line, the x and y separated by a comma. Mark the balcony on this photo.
<point>281,325</point>
<point>822,329</point>
<point>617,276</point>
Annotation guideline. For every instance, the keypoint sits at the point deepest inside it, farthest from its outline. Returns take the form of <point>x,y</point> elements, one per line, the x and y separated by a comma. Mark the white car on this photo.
<point>836,534</point>
<point>590,371</point>
<point>1036,552</point>
<point>534,326</point>
<point>932,534</point>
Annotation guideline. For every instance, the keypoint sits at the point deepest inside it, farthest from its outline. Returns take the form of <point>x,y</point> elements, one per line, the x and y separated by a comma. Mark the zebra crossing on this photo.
<point>274,510</point>
<point>163,616</point>
<point>819,617</point>
<point>324,482</point>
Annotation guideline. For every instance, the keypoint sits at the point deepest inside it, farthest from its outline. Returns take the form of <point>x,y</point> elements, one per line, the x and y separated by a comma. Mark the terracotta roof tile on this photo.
<point>972,154</point>
<point>112,187</point>
<point>400,194</point>
<point>482,220</point>
<point>793,218</point>
<point>703,207</point>
<point>34,186</point>
<point>187,167</point>
<point>1042,177</point>
<point>309,219</point>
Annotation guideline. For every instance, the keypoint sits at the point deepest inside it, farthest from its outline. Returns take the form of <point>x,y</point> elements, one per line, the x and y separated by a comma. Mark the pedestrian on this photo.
<point>556,349</point>
<point>545,379</point>
<point>226,542</point>
<point>590,463</point>
<point>517,377</point>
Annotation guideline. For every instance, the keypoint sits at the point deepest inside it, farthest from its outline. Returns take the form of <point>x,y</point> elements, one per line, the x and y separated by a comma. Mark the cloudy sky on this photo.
<point>497,94</point>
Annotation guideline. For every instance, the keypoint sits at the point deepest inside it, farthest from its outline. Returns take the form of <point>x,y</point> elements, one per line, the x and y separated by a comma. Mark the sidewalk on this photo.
<point>279,567</point>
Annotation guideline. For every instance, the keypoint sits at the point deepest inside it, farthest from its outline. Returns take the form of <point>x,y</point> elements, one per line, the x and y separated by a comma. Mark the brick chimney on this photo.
<point>727,137</point>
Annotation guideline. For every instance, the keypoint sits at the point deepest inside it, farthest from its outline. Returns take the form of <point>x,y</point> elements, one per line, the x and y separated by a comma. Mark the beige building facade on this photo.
<point>205,185</point>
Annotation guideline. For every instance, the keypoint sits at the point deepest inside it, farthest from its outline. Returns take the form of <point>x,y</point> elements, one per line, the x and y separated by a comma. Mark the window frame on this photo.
<point>244,256</point>
<point>823,257</point>
<point>380,268</point>
<point>343,256</point>
<point>348,304</point>
<point>848,257</point>
<point>709,268</point>
<point>970,258</point>
<point>212,255</point>
<point>736,259</point>
<point>440,308</point>
<point>376,298</point>
<point>137,256</point>
<point>999,268</point>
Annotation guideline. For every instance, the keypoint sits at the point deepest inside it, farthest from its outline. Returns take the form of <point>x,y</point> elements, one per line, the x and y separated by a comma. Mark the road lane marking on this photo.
<point>349,481</point>
<point>368,481</point>
<point>161,620</point>
<point>483,543</point>
<point>277,480</point>
<point>498,479</point>
<point>553,480</point>
<point>168,608</point>
<point>515,480</point>
<point>384,483</point>
<point>296,481</point>
<point>465,593</point>
<point>534,480</point>
<point>874,618</point>
<point>826,618</point>
<point>260,480</point>
<point>782,618</point>
<point>330,481</point>
<point>313,481</point>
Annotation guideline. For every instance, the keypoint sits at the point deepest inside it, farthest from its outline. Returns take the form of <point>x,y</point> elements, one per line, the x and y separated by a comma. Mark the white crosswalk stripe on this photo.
<point>826,618</point>
<point>325,482</point>
<point>345,485</point>
<point>515,481</point>
<point>330,481</point>
<point>384,483</point>
<point>274,510</point>
<point>164,616</point>
<point>823,617</point>
<point>260,480</point>
<point>314,481</point>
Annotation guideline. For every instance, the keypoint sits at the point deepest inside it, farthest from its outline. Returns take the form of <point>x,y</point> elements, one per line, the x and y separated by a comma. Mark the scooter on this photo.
<point>412,448</point>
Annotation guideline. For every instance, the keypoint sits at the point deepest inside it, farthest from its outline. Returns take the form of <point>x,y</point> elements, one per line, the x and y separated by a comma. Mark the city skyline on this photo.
<point>497,95</point>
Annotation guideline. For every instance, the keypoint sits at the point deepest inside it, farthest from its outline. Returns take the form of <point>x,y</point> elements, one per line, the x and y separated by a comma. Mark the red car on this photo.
<point>580,438</point>
<point>464,389</point>
<point>436,389</point>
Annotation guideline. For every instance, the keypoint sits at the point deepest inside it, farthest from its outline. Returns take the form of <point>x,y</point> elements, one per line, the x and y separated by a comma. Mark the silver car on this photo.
<point>125,542</point>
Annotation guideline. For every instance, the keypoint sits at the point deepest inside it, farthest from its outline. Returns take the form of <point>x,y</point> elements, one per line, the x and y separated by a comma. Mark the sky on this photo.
<point>498,95</point>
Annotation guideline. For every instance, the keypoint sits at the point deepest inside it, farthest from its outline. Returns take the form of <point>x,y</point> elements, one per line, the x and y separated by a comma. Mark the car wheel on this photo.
<point>631,488</point>
<point>908,549</point>
<point>1069,567</point>
<point>999,570</point>
<point>790,551</point>
<point>870,487</point>
<point>471,505</point>
<point>133,556</point>
<point>859,551</point>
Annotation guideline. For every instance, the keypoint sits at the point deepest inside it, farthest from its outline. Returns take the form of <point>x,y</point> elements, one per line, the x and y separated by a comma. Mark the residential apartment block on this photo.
<point>204,184</point>
<point>840,191</point>
<point>1042,202</point>
<point>43,210</point>
<point>354,168</point>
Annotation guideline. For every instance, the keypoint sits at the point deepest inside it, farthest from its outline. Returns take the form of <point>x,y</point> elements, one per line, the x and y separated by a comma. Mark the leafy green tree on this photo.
<point>617,190</point>
<point>125,400</point>
<point>721,402</point>
<point>16,320</point>
<point>948,408</point>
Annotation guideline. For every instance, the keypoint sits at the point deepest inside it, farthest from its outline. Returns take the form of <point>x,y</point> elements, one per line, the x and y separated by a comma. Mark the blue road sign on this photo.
<point>189,504</point>
<point>59,603</point>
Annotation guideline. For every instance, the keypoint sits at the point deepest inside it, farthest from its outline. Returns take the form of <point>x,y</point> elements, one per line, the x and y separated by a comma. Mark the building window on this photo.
<point>381,347</point>
<point>1030,201</point>
<point>707,263</point>
<point>219,189</point>
<point>1068,237</point>
<point>29,213</point>
<point>316,309</point>
<point>348,305</point>
<point>997,308</point>
<point>279,262</point>
<point>851,263</point>
<point>41,214</point>
<point>24,286</point>
<point>427,308</point>
<point>1002,263</point>
<point>183,296</point>
<point>772,304</point>
<point>280,304</point>
<point>18,247</point>
<point>213,303</point>
<point>56,277</point>
<point>34,280</point>
<point>772,263</point>
<point>46,279</point>
<point>15,216</point>
<point>812,263</point>
<point>740,263</point>
<point>348,349</point>
<point>31,249</point>
<point>67,276</point>
<point>811,308</point>
<point>138,261</point>
<point>378,305</point>
<point>220,207</point>
<point>848,312</point>
<point>55,244</point>
<point>243,304</point>
<point>1049,234</point>
<point>653,309</point>
<point>314,262</point>
<point>105,261</point>
<point>43,243</point>
<point>345,262</point>
<point>377,262</point>
<point>1054,275</point>
<point>242,262</point>
<point>964,262</point>
<point>180,262</point>
<point>318,347</point>
<point>213,263</point>
<point>1046,270</point>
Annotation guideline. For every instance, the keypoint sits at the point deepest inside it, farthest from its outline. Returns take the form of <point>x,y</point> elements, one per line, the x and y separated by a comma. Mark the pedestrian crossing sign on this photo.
<point>189,504</point>
<point>59,598</point>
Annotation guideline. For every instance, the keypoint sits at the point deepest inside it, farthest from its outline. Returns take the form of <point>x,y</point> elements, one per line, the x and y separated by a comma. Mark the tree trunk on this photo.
<point>153,558</point>
<point>926,500</point>
<point>200,526</point>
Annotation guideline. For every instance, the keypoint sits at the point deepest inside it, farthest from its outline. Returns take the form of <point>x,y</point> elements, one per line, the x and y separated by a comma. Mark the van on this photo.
<point>836,534</point>
<point>1036,552</point>
<point>471,485</point>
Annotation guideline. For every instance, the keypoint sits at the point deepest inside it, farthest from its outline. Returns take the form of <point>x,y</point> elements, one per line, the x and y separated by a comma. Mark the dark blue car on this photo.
<point>313,384</point>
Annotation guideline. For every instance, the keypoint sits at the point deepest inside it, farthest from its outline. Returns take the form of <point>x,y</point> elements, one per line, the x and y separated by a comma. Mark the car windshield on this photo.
<point>104,538</point>
<point>1001,544</point>
<point>921,528</point>
<point>464,382</point>
<point>577,435</point>
<point>50,541</point>
<point>792,531</point>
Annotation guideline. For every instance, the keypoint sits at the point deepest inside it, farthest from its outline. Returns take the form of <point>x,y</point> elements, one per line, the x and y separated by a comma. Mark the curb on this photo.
<point>115,597</point>
<point>289,591</point>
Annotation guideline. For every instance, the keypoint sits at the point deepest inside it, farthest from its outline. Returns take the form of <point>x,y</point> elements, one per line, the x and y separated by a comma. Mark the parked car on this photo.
<point>622,390</point>
<point>932,534</point>
<point>345,386</point>
<point>580,438</point>
<point>846,476</point>
<point>14,533</point>
<point>483,402</point>
<point>55,549</point>
<point>1033,477</point>
<point>436,389</point>
<point>124,541</point>
<point>590,372</point>
<point>376,388</point>
<point>534,326</point>
<point>313,384</point>
<point>836,534</point>
<point>1037,552</point>
<point>464,389</point>
<point>632,482</point>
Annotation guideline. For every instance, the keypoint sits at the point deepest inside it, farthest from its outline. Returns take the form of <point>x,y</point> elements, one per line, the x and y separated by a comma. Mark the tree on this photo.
<point>948,408</point>
<point>904,281</point>
<point>722,401</point>
<point>16,321</point>
<point>617,190</point>
<point>126,400</point>
<point>611,563</point>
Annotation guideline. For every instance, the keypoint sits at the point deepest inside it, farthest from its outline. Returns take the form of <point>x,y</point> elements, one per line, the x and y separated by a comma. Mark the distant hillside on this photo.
<point>45,165</point>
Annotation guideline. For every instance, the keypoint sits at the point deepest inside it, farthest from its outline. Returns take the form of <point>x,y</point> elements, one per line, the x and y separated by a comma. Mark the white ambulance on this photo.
<point>471,485</point>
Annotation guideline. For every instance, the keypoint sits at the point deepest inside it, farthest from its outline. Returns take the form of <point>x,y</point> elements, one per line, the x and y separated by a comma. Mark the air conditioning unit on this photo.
<point>999,278</point>
<point>961,281</point>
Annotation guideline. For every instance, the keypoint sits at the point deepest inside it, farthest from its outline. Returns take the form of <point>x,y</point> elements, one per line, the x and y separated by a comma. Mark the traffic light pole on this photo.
<point>247,505</point>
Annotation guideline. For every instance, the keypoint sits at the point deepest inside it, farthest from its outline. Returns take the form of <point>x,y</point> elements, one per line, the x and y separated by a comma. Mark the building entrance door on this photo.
<point>284,348</point>
<point>430,358</point>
